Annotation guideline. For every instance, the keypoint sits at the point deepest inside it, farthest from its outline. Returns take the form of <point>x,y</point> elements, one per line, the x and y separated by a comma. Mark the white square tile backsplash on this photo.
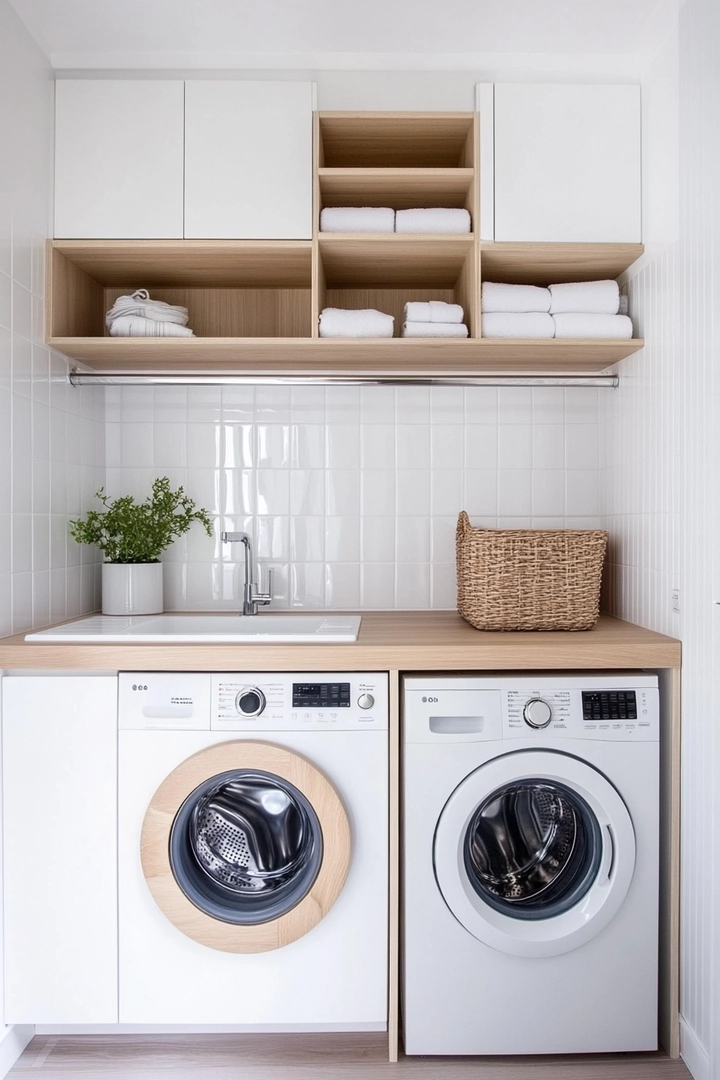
<point>52,438</point>
<point>351,494</point>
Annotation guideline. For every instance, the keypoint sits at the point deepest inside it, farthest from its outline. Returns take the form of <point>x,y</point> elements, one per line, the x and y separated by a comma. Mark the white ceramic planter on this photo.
<point>132,588</point>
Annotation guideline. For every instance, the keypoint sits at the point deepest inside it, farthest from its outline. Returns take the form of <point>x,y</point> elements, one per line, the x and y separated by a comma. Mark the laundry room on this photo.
<point>272,577</point>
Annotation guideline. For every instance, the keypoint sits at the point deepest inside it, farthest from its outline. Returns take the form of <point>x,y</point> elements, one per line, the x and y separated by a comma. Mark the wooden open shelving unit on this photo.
<point>254,305</point>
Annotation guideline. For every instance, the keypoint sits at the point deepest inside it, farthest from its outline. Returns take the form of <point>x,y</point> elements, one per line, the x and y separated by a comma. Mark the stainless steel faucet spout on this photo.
<point>252,597</point>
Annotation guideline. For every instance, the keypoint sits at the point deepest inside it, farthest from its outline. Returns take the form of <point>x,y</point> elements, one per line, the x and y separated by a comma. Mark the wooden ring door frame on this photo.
<point>155,846</point>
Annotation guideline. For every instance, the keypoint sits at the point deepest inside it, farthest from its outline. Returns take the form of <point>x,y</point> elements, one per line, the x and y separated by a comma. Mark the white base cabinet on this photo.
<point>567,163</point>
<point>60,849</point>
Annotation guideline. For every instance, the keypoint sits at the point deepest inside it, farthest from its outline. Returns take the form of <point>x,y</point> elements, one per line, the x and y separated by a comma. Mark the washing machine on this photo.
<point>253,850</point>
<point>530,863</point>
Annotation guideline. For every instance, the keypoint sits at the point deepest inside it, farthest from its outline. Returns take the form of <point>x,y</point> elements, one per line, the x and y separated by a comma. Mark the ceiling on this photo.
<point>297,33</point>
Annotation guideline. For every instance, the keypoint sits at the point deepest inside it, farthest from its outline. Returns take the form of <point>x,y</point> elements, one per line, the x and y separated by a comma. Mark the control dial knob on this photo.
<point>250,701</point>
<point>537,713</point>
<point>366,701</point>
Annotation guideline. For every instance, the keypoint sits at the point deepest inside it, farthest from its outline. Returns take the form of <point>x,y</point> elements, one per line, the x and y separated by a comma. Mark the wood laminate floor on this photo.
<point>304,1057</point>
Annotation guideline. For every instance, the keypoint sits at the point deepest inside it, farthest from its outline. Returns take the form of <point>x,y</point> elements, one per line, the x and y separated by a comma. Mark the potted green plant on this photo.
<point>133,536</point>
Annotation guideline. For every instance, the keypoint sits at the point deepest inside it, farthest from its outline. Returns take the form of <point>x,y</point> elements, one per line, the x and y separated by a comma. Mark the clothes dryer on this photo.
<point>530,863</point>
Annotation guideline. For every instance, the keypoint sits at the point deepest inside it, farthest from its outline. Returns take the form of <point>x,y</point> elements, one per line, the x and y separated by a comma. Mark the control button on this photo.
<point>537,713</point>
<point>250,701</point>
<point>366,701</point>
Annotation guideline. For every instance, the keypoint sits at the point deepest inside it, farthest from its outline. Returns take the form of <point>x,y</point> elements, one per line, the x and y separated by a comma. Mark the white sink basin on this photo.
<point>248,629</point>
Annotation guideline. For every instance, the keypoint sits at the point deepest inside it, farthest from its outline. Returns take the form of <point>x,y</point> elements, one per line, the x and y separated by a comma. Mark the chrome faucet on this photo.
<point>251,597</point>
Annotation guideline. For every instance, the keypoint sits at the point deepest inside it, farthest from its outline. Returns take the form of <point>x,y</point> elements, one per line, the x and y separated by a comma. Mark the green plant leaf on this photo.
<point>130,532</point>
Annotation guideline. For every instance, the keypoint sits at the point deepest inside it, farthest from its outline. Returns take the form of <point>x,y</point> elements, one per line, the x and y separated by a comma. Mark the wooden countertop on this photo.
<point>388,641</point>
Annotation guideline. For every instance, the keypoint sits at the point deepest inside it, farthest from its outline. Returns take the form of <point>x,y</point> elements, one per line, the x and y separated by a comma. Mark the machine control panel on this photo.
<point>535,709</point>
<point>264,701</point>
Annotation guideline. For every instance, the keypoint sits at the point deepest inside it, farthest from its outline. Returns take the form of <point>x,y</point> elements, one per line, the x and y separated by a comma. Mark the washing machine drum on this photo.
<point>245,846</point>
<point>534,853</point>
<point>532,848</point>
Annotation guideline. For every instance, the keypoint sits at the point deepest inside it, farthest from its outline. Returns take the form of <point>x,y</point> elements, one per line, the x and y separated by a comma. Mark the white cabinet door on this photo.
<point>567,163</point>
<point>118,159</point>
<point>60,849</point>
<point>248,160</point>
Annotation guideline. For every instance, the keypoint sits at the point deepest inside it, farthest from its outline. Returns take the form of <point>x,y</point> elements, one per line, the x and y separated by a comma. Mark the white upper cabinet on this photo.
<point>119,159</point>
<point>248,160</point>
<point>567,163</point>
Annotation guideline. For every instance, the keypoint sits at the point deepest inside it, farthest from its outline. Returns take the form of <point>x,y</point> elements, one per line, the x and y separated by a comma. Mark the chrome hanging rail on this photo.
<point>98,378</point>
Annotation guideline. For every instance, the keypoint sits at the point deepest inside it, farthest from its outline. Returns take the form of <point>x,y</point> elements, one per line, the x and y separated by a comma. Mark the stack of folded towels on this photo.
<point>346,323</point>
<point>382,219</point>
<point>139,316</point>
<point>433,318</point>
<point>579,309</point>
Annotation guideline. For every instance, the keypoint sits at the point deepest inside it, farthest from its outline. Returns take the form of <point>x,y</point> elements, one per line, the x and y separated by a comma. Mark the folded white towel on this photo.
<point>585,297</point>
<point>136,326</point>
<point>499,297</point>
<point>512,324</point>
<point>434,329</point>
<point>572,325</point>
<point>365,323</point>
<point>433,311</point>
<point>139,303</point>
<point>433,220</point>
<point>357,219</point>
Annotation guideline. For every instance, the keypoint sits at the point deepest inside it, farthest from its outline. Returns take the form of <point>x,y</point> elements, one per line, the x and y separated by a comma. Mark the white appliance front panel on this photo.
<point>334,975</point>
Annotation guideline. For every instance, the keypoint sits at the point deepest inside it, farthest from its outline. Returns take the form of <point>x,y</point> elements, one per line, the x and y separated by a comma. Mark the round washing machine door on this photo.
<point>534,852</point>
<point>245,846</point>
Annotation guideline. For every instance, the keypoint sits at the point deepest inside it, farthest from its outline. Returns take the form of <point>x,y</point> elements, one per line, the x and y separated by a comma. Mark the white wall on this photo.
<point>51,438</point>
<point>352,494</point>
<point>659,457</point>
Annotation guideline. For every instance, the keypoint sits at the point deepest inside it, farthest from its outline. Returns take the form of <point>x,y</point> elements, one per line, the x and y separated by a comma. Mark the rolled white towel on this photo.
<point>357,219</point>
<point>499,297</point>
<point>513,324</point>
<point>140,304</point>
<point>573,325</point>
<point>623,305</point>
<point>585,297</point>
<point>436,219</point>
<point>433,311</point>
<point>365,323</point>
<point>136,326</point>
<point>434,329</point>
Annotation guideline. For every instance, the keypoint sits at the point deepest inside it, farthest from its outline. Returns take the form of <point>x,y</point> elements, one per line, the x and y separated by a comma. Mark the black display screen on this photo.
<point>609,705</point>
<point>321,695</point>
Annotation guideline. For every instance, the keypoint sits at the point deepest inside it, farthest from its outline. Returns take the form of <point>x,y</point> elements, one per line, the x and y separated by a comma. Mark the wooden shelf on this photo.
<point>401,189</point>
<point>392,260</point>
<point>190,263</point>
<point>324,356</point>
<point>545,264</point>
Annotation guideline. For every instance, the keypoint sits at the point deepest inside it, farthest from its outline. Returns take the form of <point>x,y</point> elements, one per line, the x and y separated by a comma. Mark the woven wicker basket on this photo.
<point>529,579</point>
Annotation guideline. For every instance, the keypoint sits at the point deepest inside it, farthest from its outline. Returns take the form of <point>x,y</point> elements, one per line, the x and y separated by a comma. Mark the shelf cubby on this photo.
<point>231,288</point>
<point>388,270</point>
<point>399,140</point>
